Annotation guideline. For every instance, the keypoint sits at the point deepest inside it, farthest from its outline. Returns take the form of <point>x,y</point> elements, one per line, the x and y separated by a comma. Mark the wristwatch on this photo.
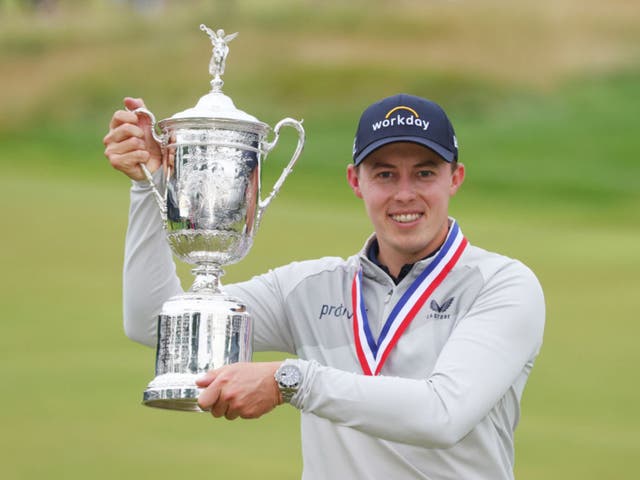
<point>288,377</point>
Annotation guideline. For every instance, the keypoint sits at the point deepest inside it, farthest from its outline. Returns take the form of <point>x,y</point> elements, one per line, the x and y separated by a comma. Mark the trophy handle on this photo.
<point>161,200</point>
<point>263,204</point>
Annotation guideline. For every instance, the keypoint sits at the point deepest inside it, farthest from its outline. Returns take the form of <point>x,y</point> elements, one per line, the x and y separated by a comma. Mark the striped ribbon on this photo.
<point>371,354</point>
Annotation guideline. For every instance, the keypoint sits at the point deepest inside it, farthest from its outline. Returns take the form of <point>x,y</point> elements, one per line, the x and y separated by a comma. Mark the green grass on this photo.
<point>552,179</point>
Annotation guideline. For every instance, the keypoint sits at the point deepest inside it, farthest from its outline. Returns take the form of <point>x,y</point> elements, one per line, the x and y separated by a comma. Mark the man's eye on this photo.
<point>384,175</point>
<point>425,173</point>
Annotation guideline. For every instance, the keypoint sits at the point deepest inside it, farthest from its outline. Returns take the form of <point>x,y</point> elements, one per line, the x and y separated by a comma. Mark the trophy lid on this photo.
<point>215,105</point>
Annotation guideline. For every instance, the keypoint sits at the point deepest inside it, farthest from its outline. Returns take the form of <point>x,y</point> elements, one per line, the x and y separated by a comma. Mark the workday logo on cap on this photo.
<point>400,116</point>
<point>405,118</point>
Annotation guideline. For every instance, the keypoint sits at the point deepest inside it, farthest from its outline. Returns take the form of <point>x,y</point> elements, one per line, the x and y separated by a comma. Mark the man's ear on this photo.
<point>353,180</point>
<point>456,179</point>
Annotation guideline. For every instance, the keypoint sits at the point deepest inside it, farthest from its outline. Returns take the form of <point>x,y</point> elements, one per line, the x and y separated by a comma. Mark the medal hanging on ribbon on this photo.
<point>372,354</point>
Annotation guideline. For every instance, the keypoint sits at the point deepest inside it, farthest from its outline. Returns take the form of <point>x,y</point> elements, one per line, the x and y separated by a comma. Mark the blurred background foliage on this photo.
<point>544,97</point>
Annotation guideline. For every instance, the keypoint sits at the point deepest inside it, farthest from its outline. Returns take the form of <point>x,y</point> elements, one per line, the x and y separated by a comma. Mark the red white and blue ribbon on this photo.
<point>371,354</point>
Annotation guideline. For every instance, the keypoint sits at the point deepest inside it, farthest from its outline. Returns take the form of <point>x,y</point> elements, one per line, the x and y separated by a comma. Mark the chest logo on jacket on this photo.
<point>334,311</point>
<point>438,311</point>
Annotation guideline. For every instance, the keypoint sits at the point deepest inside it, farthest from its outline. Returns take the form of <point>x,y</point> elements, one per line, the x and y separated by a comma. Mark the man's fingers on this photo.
<point>122,132</point>
<point>129,163</point>
<point>246,390</point>
<point>219,408</point>
<point>122,142</point>
<point>204,380</point>
<point>130,141</point>
<point>122,116</point>
<point>208,399</point>
<point>231,415</point>
<point>209,396</point>
<point>133,103</point>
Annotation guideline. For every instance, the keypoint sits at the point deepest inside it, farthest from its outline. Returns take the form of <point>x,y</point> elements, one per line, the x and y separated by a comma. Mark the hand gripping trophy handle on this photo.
<point>161,199</point>
<point>268,146</point>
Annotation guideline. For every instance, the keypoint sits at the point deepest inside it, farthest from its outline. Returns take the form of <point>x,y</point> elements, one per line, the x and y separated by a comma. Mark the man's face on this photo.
<point>406,190</point>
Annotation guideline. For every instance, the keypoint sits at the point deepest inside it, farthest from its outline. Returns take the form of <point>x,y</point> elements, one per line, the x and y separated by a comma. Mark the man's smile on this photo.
<point>405,217</point>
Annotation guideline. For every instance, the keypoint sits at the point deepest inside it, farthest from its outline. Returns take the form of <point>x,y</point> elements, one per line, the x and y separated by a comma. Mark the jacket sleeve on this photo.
<point>149,274</point>
<point>491,346</point>
<point>265,302</point>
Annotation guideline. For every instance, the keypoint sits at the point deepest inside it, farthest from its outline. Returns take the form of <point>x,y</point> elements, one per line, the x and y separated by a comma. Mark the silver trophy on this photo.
<point>210,205</point>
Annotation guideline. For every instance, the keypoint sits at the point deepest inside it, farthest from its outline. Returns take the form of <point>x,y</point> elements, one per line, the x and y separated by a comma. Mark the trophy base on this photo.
<point>197,332</point>
<point>173,392</point>
<point>183,399</point>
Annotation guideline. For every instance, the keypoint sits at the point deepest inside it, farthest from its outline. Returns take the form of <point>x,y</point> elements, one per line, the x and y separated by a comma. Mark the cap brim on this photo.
<point>446,155</point>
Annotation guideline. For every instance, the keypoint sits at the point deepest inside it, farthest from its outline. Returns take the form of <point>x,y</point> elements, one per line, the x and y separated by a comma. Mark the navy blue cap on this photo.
<point>405,118</point>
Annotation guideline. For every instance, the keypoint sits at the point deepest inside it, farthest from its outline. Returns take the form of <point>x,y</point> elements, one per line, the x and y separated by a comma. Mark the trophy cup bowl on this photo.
<point>210,205</point>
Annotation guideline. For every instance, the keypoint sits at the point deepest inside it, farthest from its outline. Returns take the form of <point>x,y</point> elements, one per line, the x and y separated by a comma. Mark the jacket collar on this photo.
<point>372,268</point>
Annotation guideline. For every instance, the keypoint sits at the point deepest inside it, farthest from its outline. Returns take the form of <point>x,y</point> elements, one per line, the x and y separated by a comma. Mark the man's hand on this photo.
<point>130,142</point>
<point>246,390</point>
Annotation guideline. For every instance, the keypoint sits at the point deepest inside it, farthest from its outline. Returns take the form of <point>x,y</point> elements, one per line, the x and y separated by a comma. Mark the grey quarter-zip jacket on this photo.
<point>447,400</point>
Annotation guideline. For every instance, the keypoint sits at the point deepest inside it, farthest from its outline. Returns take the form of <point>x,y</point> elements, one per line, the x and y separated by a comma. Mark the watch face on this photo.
<point>289,376</point>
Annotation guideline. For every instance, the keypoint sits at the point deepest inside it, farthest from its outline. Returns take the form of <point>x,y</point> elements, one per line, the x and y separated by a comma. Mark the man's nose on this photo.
<point>406,190</point>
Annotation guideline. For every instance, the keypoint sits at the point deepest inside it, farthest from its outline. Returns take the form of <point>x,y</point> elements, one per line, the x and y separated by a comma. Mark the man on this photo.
<point>412,354</point>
